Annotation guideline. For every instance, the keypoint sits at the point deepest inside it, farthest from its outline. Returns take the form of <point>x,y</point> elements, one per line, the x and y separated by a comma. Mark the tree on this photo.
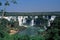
<point>53,33</point>
<point>3,28</point>
<point>7,3</point>
<point>40,21</point>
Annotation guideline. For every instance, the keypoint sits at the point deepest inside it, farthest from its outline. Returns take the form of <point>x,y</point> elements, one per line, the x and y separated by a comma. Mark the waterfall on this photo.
<point>20,20</point>
<point>48,23</point>
<point>52,18</point>
<point>32,22</point>
<point>24,19</point>
<point>45,27</point>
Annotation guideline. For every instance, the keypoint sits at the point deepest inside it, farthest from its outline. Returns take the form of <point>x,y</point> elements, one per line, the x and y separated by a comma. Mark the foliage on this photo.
<point>26,37</point>
<point>0,3</point>
<point>53,33</point>
<point>7,3</point>
<point>4,35</point>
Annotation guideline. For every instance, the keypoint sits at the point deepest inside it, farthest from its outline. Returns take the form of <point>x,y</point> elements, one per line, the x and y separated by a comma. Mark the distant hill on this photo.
<point>29,13</point>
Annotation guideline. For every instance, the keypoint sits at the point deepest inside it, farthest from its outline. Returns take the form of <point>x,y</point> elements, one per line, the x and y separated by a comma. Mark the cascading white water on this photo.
<point>45,27</point>
<point>32,22</point>
<point>8,18</point>
<point>24,19</point>
<point>20,20</point>
<point>48,23</point>
<point>52,18</point>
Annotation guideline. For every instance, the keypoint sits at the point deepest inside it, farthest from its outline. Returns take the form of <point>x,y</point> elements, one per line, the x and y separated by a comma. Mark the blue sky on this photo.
<point>33,6</point>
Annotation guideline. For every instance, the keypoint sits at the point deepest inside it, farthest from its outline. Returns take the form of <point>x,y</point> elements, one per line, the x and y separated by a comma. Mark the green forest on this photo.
<point>52,33</point>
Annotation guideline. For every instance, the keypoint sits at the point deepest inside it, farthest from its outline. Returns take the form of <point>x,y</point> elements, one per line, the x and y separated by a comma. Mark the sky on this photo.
<point>33,6</point>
